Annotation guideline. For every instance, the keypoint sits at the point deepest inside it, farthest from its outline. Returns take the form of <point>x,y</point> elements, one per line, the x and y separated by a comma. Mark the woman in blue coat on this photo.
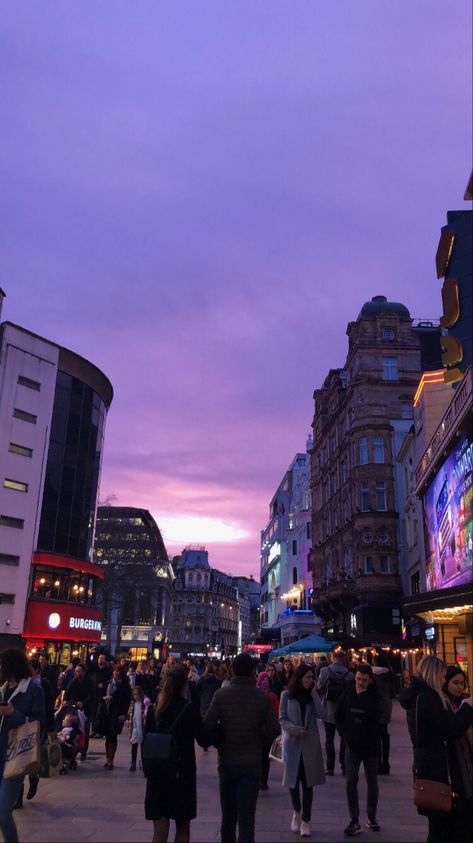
<point>302,753</point>
<point>20,699</point>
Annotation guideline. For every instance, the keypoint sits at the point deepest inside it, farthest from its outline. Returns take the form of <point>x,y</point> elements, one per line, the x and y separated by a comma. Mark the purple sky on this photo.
<point>199,197</point>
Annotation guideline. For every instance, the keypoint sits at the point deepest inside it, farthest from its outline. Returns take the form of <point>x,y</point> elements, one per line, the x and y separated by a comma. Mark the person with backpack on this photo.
<point>332,682</point>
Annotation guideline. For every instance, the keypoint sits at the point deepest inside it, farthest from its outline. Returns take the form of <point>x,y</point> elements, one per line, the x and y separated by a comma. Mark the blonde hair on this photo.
<point>430,669</point>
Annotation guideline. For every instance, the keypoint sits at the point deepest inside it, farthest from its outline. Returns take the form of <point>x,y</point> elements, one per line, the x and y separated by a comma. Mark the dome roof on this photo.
<point>380,304</point>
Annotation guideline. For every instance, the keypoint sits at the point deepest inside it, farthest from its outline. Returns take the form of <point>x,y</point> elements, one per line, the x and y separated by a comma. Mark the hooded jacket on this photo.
<point>434,731</point>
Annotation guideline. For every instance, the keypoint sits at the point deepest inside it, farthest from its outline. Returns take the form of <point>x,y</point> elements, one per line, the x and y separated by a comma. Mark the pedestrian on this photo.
<point>21,699</point>
<point>247,722</point>
<point>288,670</point>
<point>332,681</point>
<point>207,685</point>
<point>322,661</point>
<point>263,681</point>
<point>80,693</point>
<point>302,752</point>
<point>436,732</point>
<point>101,677</point>
<point>117,701</point>
<point>275,683</point>
<point>385,684</point>
<point>50,722</point>
<point>174,799</point>
<point>357,718</point>
<point>136,722</point>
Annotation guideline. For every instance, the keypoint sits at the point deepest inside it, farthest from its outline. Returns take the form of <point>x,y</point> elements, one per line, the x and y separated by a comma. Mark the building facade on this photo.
<point>249,600</point>
<point>206,614</point>
<point>286,541</point>
<point>362,415</point>
<point>53,405</point>
<point>136,596</point>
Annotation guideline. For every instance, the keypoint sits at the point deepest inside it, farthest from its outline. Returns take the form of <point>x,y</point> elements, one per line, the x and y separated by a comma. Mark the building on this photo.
<point>249,600</point>
<point>443,476</point>
<point>53,405</point>
<point>286,574</point>
<point>205,609</point>
<point>136,597</point>
<point>362,415</point>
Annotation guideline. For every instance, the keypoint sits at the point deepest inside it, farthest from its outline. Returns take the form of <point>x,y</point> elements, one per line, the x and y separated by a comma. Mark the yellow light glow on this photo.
<point>426,379</point>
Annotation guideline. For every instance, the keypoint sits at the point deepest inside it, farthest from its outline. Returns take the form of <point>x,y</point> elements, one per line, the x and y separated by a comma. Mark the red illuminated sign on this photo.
<point>52,619</point>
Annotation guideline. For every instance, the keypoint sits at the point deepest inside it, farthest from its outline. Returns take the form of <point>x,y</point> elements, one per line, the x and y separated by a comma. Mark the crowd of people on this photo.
<point>247,710</point>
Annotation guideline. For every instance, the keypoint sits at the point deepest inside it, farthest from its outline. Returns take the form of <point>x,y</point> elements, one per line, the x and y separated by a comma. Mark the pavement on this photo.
<point>95,804</point>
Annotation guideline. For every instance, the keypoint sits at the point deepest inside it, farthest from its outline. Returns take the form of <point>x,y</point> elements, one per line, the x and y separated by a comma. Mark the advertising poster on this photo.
<point>448,520</point>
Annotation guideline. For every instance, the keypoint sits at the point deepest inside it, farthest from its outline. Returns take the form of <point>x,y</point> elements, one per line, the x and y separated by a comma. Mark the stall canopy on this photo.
<point>309,644</point>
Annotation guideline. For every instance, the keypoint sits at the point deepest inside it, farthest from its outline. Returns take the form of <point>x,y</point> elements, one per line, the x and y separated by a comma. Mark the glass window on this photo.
<point>294,576</point>
<point>294,547</point>
<point>381,497</point>
<point>20,449</point>
<point>378,449</point>
<point>390,369</point>
<point>369,568</point>
<point>363,450</point>
<point>17,485</point>
<point>29,383</point>
<point>384,564</point>
<point>24,416</point>
<point>365,497</point>
<point>415,583</point>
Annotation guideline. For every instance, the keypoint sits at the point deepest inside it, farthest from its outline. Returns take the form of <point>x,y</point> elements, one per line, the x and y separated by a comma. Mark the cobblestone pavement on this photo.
<point>95,804</point>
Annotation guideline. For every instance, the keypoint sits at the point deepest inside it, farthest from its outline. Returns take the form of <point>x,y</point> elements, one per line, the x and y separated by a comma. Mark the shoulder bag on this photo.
<point>22,756</point>
<point>430,795</point>
<point>160,753</point>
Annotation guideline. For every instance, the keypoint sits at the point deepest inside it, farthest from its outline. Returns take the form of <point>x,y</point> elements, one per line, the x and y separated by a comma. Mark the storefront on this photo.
<point>61,619</point>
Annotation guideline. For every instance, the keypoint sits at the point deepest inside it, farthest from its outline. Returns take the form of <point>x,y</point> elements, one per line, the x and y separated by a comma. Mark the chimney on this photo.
<point>2,296</point>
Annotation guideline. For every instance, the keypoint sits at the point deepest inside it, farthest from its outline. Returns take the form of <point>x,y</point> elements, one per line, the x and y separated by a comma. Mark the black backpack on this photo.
<point>160,756</point>
<point>337,682</point>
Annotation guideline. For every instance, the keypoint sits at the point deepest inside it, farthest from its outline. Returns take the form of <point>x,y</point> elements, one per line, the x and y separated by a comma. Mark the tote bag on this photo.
<point>22,756</point>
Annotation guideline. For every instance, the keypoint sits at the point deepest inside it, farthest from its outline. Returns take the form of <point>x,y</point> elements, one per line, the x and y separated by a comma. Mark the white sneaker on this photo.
<point>296,821</point>
<point>305,829</point>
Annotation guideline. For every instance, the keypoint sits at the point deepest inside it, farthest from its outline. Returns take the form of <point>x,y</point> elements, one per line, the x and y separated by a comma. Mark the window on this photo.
<point>363,450</point>
<point>406,410</point>
<point>294,547</point>
<point>309,566</point>
<point>365,497</point>
<point>378,449</point>
<point>308,530</point>
<point>7,598</point>
<point>381,497</point>
<point>294,576</point>
<point>383,538</point>
<point>384,564</point>
<point>20,449</point>
<point>15,484</point>
<point>9,559</point>
<point>369,568</point>
<point>389,334</point>
<point>24,416</point>
<point>367,538</point>
<point>7,521</point>
<point>415,583</point>
<point>390,370</point>
<point>30,384</point>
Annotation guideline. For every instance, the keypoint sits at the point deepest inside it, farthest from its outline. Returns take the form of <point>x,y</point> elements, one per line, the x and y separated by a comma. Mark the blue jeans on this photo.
<point>9,792</point>
<point>238,796</point>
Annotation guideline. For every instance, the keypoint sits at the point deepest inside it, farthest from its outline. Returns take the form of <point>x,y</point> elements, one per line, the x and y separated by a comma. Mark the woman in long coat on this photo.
<point>302,753</point>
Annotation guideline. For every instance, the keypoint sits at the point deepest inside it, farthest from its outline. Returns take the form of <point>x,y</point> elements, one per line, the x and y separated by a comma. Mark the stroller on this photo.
<point>71,734</point>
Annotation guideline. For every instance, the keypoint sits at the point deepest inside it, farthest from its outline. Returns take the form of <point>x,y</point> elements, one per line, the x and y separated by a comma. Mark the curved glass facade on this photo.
<point>72,470</point>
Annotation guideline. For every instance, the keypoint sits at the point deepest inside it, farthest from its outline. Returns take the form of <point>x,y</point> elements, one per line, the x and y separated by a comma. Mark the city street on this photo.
<point>100,805</point>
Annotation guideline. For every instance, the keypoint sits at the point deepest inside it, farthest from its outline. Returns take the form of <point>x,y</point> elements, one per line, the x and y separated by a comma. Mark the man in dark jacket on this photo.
<point>81,693</point>
<point>101,676</point>
<point>357,717</point>
<point>247,724</point>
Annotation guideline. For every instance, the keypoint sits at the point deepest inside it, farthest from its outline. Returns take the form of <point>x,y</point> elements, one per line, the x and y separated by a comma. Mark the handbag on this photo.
<point>276,750</point>
<point>160,754</point>
<point>430,795</point>
<point>22,756</point>
<point>50,759</point>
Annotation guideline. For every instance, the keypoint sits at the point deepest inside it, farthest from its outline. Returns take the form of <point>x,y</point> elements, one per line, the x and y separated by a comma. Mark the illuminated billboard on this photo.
<point>448,520</point>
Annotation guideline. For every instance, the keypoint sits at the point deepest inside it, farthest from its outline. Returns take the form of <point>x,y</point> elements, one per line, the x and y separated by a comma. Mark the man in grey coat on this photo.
<point>333,680</point>
<point>247,723</point>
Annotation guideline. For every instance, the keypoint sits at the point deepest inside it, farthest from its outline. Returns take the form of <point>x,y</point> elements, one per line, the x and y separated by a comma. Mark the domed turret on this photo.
<point>380,304</point>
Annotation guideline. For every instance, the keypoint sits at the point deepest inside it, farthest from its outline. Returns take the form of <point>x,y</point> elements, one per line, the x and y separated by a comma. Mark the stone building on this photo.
<point>362,414</point>
<point>205,607</point>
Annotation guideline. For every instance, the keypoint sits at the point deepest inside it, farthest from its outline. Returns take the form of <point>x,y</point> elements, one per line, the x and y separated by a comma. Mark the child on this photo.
<point>136,721</point>
<point>68,738</point>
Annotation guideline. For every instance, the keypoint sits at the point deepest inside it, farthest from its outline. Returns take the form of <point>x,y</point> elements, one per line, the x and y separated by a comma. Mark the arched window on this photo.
<point>294,576</point>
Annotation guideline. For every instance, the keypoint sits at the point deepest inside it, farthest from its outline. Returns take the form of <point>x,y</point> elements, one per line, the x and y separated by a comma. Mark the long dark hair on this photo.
<point>14,665</point>
<point>173,686</point>
<point>295,685</point>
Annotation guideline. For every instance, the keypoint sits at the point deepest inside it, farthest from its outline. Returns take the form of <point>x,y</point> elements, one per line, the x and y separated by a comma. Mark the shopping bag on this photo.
<point>22,757</point>
<point>276,750</point>
<point>50,759</point>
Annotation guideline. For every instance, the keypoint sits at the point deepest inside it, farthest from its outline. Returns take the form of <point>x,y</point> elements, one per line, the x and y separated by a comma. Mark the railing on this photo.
<point>456,411</point>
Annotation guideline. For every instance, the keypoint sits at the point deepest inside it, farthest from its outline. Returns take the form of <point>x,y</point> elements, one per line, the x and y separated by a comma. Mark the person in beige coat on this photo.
<point>299,710</point>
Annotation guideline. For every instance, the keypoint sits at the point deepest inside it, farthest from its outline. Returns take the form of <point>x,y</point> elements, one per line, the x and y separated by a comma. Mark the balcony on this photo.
<point>457,410</point>
<point>369,583</point>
